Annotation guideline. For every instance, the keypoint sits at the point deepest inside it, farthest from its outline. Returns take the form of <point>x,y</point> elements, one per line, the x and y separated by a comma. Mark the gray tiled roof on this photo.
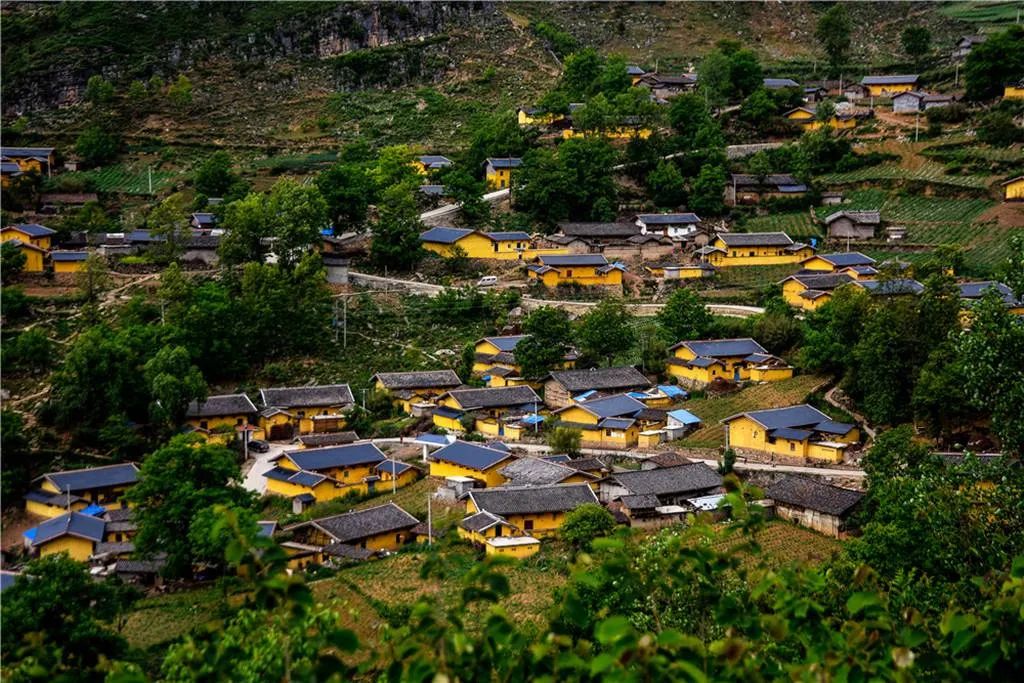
<point>758,239</point>
<point>825,281</point>
<point>644,501</point>
<point>623,377</point>
<point>719,348</point>
<point>532,500</point>
<point>94,477</point>
<point>670,480</point>
<point>868,217</point>
<point>617,405</point>
<point>223,404</point>
<point>472,455</point>
<point>418,380</point>
<point>348,552</point>
<point>811,494</point>
<point>889,80</point>
<point>315,459</point>
<point>535,472</point>
<point>300,397</point>
<point>71,524</point>
<point>479,521</point>
<point>360,524</point>
<point>845,259</point>
<point>494,397</point>
<point>599,229</point>
<point>776,179</point>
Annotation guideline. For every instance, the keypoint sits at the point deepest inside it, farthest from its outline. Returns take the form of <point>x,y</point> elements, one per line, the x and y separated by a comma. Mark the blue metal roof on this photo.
<point>471,455</point>
<point>637,395</point>
<point>721,348</point>
<point>267,528</point>
<point>445,411</point>
<point>684,416</point>
<point>672,391</point>
<point>634,70</point>
<point>94,477</point>
<point>35,230</point>
<point>850,258</point>
<point>613,406</point>
<point>508,236</point>
<point>574,260</point>
<point>790,433</point>
<point>26,151</point>
<point>7,579</point>
<point>532,419</point>
<point>585,395</point>
<point>560,457</point>
<point>72,523</point>
<point>507,342</point>
<point>833,427</point>
<point>94,510</point>
<point>9,167</point>
<point>435,161</point>
<point>792,188</point>
<point>335,456</point>
<point>705,362</point>
<point>68,256</point>
<point>433,439</point>
<point>443,235</point>
<point>393,467</point>
<point>617,423</point>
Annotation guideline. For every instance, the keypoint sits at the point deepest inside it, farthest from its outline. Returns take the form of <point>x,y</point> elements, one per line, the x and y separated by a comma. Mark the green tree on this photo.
<point>90,218</point>
<point>215,177</point>
<point>759,108</point>
<point>554,102</point>
<point>588,164</point>
<point>565,440</point>
<point>541,187</point>
<point>497,135</point>
<point>687,113</point>
<point>581,74</point>
<point>760,165</point>
<point>247,225</point>
<point>745,72</point>
<point>98,90</point>
<point>30,351</point>
<point>93,278</point>
<point>585,523</point>
<point>210,534</point>
<point>548,338</point>
<point>596,116</point>
<point>57,622</point>
<point>299,214</point>
<point>916,41</point>
<point>348,189</point>
<point>169,223</point>
<point>728,462</point>
<point>997,128</point>
<point>394,167</point>
<point>180,92</point>
<point>16,474</point>
<point>396,236</point>
<point>833,330</point>
<point>1011,272</point>
<point>684,316</point>
<point>177,483</point>
<point>12,261</point>
<point>833,33</point>
<point>468,191</point>
<point>885,366</point>
<point>714,82</point>
<point>137,93</point>
<point>173,383</point>
<point>666,185</point>
<point>778,331</point>
<point>614,79</point>
<point>940,397</point>
<point>606,330</point>
<point>707,197</point>
<point>992,64</point>
<point>96,146</point>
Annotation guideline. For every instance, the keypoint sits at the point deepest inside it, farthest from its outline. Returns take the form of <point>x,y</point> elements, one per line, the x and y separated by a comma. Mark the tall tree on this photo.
<point>12,261</point>
<point>916,41</point>
<point>606,330</point>
<point>666,184</point>
<point>93,278</point>
<point>745,72</point>
<point>246,227</point>
<point>997,61</point>
<point>684,316</point>
<point>548,338</point>
<point>468,191</point>
<point>347,189</point>
<point>833,32</point>
<point>173,383</point>
<point>396,236</point>
<point>299,214</point>
<point>215,177</point>
<point>168,223</point>
<point>714,81</point>
<point>580,78</point>
<point>707,197</point>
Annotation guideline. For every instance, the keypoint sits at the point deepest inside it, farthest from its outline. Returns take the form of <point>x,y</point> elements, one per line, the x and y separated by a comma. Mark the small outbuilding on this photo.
<point>816,505</point>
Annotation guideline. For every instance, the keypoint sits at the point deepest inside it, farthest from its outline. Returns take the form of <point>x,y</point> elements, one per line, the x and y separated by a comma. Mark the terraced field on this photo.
<point>124,179</point>
<point>796,224</point>
<point>929,171</point>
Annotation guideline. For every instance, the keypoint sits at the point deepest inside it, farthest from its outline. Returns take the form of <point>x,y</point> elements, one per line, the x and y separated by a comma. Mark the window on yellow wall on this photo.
<point>792,446</point>
<point>202,424</point>
<point>528,525</point>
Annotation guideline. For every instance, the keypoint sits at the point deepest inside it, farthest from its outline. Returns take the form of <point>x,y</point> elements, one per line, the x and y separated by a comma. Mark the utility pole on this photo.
<point>394,477</point>
<point>917,124</point>
<point>344,323</point>
<point>150,170</point>
<point>956,72</point>
<point>430,523</point>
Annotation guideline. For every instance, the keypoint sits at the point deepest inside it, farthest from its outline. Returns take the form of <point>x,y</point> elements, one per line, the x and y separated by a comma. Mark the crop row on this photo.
<point>934,173</point>
<point>119,179</point>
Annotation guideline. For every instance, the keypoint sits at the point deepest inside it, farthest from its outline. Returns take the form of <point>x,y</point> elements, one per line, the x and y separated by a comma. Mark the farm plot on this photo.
<point>927,172</point>
<point>916,208</point>
<point>797,224</point>
<point>124,179</point>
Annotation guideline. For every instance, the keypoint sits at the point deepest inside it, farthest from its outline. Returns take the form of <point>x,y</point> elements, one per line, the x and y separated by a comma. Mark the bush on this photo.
<point>565,440</point>
<point>585,523</point>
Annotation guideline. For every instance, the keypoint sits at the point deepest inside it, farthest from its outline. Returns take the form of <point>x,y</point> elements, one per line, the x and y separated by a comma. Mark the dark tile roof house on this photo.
<point>600,379</point>
<point>221,405</point>
<point>810,494</point>
<point>775,83</point>
<point>570,260</point>
<point>663,460</point>
<point>479,522</point>
<point>786,422</point>
<point>685,218</point>
<point>70,524</point>
<point>816,285</point>
<point>901,79</point>
<point>445,235</point>
<point>313,459</point>
<point>780,182</point>
<point>867,217</point>
<point>586,464</point>
<point>344,551</point>
<point>431,190</point>
<point>395,468</point>
<point>471,455</point>
<point>532,500</point>
<point>692,478</point>
<point>494,397</point>
<point>846,259</point>
<point>204,220</point>
<point>352,527</point>
<point>756,239</point>
<point>599,230</point>
<point>618,405</point>
<point>634,70</point>
<point>94,477</point>
<point>721,348</point>
<point>504,162</point>
<point>432,161</point>
<point>27,152</point>
<point>34,229</point>
<point>328,439</point>
<point>68,256</point>
<point>306,397</point>
<point>974,291</point>
<point>425,379</point>
<point>893,287</point>
<point>536,472</point>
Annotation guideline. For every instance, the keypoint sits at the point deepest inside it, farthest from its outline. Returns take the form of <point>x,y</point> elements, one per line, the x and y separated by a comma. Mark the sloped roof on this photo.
<point>506,342</point>
<point>780,83</point>
<point>976,290</point>
<point>26,151</point>
<point>328,439</point>
<point>823,282</point>
<point>335,456</point>
<point>664,481</point>
<point>776,179</point>
<point>223,404</point>
<point>845,259</point>
<point>869,217</point>
<point>94,477</point>
<point>68,256</point>
<point>360,524</point>
<point>664,460</point>
<point>420,379</point>
<point>720,348</point>
<point>890,287</point>
<point>70,524</point>
<point>601,379</point>
<point>34,229</point>
<point>599,229</point>
<point>435,161</point>
<point>505,162</point>
<point>480,521</point>
<point>800,416</point>
<point>297,477</point>
<point>618,405</point>
<point>686,218</point>
<point>471,455</point>
<point>300,397</point>
<point>445,235</point>
<point>813,495</point>
<point>535,499</point>
<point>513,236</point>
<point>751,239</point>
<point>494,397</point>
<point>889,80</point>
<point>535,472</point>
<point>585,464</point>
<point>645,501</point>
<point>565,260</point>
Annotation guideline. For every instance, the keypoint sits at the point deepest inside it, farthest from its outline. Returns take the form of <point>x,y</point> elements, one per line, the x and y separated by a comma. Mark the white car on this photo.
<point>487,281</point>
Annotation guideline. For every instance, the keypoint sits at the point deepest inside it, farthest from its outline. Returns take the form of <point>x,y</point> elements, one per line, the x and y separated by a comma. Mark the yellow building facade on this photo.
<point>755,249</point>
<point>809,434</point>
<point>498,171</point>
<point>1014,91</point>
<point>35,235</point>
<point>614,435</point>
<point>79,549</point>
<point>518,547</point>
<point>700,362</point>
<point>1013,189</point>
<point>35,257</point>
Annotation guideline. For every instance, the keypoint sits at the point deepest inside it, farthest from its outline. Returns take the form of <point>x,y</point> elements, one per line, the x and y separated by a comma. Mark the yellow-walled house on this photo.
<point>58,492</point>
<point>887,86</point>
<point>1013,189</point>
<point>565,387</point>
<point>973,292</point>
<point>492,401</point>
<point>797,431</point>
<point>35,257</point>
<point>700,362</point>
<point>326,473</point>
<point>754,249</point>
<point>635,73</point>
<point>611,421</point>
<point>690,271</point>
<point>30,159</point>
<point>68,261</point>
<point>476,461</point>
<point>1014,91</point>
<point>382,528</point>
<point>624,132</point>
<point>479,527</point>
<point>744,188</point>
<point>73,533</point>
<point>498,171</point>
<point>494,357</point>
<point>29,233</point>
<point>807,119</point>
<point>535,116</point>
<point>519,547</point>
<point>312,409</point>
<point>508,246</point>
<point>812,291</point>
<point>407,389</point>
<point>538,511</point>
<point>430,162</point>
<point>834,263</point>
<point>223,410</point>
<point>590,270</point>
<point>529,471</point>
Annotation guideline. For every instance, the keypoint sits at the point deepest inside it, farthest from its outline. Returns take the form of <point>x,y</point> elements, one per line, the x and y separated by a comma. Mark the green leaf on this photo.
<point>860,601</point>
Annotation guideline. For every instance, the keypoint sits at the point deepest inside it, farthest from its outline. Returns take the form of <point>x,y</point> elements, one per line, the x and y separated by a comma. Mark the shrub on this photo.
<point>585,523</point>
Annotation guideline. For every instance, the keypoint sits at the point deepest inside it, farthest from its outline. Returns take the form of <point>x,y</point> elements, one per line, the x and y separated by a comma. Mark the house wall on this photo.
<point>889,89</point>
<point>819,264</point>
<point>103,496</point>
<point>906,104</point>
<point>67,266</point>
<point>816,451</point>
<point>489,477</point>
<point>791,294</point>
<point>517,551</point>
<point>829,525</point>
<point>625,252</point>
<point>756,255</point>
<point>450,423</point>
<point>581,275</point>
<point>50,511</point>
<point>745,433</point>
<point>845,227</point>
<point>13,233</point>
<point>498,178</point>
<point>346,475</point>
<point>1012,92</point>
<point>1014,191</point>
<point>33,260</point>
<point>77,548</point>
<point>218,421</point>
<point>555,395</point>
<point>769,374</point>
